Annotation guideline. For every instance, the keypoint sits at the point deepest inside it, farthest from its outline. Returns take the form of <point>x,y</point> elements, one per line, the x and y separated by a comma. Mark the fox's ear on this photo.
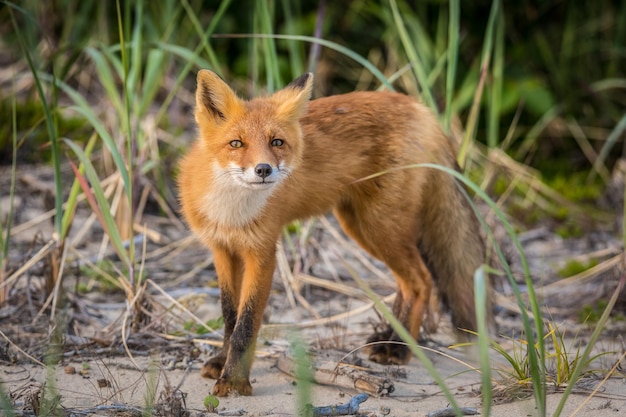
<point>215,100</point>
<point>293,99</point>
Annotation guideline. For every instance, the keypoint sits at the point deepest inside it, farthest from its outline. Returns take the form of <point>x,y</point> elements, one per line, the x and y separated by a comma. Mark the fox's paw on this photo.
<point>213,367</point>
<point>225,386</point>
<point>388,350</point>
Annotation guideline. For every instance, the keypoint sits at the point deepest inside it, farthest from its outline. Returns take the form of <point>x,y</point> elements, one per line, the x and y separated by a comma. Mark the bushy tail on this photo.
<point>453,248</point>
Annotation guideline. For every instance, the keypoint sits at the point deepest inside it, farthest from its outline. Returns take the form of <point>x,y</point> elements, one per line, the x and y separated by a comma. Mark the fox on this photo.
<point>258,165</point>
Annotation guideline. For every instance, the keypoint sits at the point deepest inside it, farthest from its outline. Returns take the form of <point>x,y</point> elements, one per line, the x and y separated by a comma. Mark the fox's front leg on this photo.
<point>229,268</point>
<point>255,288</point>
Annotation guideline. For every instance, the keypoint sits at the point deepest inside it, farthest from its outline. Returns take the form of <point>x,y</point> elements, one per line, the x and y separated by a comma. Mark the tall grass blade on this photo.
<point>206,33</point>
<point>304,375</point>
<point>152,79</point>
<point>481,296</point>
<point>453,55</point>
<point>5,233</point>
<point>472,120</point>
<point>133,62</point>
<point>105,76</point>
<point>264,11</point>
<point>495,98</point>
<point>296,57</point>
<point>126,120</point>
<point>193,58</point>
<point>98,202</point>
<point>50,124</point>
<point>413,55</point>
<point>72,199</point>
<point>131,76</point>
<point>5,229</point>
<point>329,44</point>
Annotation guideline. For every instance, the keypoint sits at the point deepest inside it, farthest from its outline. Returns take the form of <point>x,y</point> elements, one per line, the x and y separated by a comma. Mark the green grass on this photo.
<point>108,76</point>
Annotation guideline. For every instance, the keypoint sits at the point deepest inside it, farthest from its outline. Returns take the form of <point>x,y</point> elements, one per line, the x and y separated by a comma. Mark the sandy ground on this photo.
<point>107,384</point>
<point>276,393</point>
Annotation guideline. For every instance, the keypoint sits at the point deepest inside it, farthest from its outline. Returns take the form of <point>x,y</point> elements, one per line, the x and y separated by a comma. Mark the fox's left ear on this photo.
<point>293,99</point>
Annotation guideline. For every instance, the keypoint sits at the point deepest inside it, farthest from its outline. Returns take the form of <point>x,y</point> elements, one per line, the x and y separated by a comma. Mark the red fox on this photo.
<point>260,164</point>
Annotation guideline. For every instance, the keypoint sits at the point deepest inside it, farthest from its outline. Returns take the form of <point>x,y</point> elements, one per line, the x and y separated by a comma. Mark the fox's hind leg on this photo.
<point>414,289</point>
<point>384,235</point>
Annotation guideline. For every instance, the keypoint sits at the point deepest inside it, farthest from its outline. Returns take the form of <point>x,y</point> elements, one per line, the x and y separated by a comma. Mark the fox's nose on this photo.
<point>263,170</point>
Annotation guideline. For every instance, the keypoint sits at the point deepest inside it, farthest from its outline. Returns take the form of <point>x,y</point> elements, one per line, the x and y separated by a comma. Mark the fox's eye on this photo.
<point>277,142</point>
<point>236,143</point>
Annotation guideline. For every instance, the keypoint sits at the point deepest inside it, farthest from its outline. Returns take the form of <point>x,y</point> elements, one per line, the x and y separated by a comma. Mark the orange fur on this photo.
<point>260,164</point>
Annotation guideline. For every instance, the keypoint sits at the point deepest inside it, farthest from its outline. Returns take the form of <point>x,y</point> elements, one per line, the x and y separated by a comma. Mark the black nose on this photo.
<point>263,170</point>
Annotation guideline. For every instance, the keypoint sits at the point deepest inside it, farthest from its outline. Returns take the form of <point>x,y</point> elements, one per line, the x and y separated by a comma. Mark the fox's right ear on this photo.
<point>215,100</point>
<point>294,98</point>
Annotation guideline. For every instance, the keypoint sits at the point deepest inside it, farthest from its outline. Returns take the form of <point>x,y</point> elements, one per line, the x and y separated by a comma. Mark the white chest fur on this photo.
<point>233,205</point>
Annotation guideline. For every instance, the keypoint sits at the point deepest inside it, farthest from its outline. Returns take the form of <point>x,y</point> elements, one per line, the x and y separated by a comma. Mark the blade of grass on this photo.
<point>193,58</point>
<point>480,301</point>
<point>105,76</point>
<point>72,199</point>
<point>264,12</point>
<point>329,44</point>
<point>206,33</point>
<point>126,121</point>
<point>413,55</point>
<point>472,120</point>
<point>453,55</point>
<point>86,110</point>
<point>495,98</point>
<point>151,80</point>
<point>131,76</point>
<point>133,62</point>
<point>97,201</point>
<point>51,125</point>
<point>296,57</point>
<point>5,233</point>
<point>106,138</point>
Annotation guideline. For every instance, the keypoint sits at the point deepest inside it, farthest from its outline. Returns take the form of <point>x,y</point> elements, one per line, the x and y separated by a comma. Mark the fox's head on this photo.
<point>255,144</point>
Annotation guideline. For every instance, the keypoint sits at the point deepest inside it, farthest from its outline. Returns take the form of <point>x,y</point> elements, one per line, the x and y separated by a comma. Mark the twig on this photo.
<point>342,375</point>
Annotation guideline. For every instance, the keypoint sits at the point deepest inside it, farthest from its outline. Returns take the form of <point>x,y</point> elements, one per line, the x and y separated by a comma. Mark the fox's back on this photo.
<point>349,137</point>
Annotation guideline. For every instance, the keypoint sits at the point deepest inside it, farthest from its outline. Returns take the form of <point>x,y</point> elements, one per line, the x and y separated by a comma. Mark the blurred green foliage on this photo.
<point>565,56</point>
